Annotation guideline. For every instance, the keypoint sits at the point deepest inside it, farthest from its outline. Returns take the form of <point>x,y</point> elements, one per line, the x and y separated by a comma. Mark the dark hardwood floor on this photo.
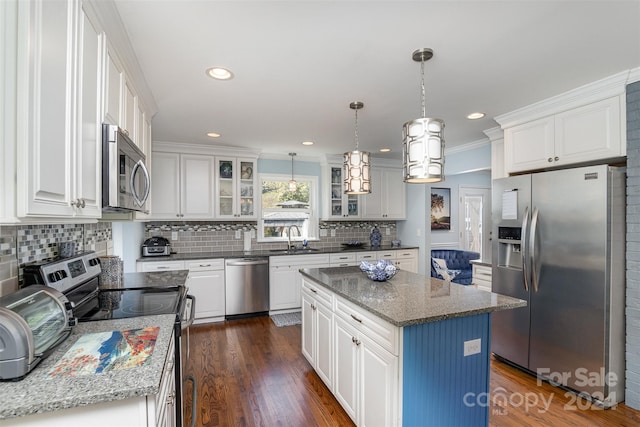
<point>252,373</point>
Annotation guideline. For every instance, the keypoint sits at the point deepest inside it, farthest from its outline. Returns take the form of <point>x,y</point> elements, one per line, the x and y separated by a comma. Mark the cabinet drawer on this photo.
<point>161,266</point>
<point>386,254</point>
<point>299,260</point>
<point>342,260</point>
<point>366,256</point>
<point>205,264</point>
<point>318,292</point>
<point>380,331</point>
<point>406,253</point>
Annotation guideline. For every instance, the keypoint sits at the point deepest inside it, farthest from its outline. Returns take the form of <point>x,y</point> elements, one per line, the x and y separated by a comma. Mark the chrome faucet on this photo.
<point>289,235</point>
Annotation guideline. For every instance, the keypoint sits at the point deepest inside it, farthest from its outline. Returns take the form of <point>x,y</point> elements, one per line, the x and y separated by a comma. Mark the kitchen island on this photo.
<point>128,397</point>
<point>413,350</point>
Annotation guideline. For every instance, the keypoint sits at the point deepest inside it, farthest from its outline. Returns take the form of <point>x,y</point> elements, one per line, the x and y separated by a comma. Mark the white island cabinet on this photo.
<point>398,347</point>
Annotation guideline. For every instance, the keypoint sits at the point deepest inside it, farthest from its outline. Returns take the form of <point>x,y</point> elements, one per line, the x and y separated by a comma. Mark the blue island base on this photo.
<point>441,386</point>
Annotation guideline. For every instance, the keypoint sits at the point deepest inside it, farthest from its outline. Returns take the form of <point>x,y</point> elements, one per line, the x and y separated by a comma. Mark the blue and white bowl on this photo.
<point>379,271</point>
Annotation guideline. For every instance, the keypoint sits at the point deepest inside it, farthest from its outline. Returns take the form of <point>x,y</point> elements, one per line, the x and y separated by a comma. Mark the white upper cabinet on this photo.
<point>236,188</point>
<point>336,204</point>
<point>587,124</point>
<point>387,199</point>
<point>58,133</point>
<point>583,134</point>
<point>182,186</point>
<point>63,84</point>
<point>88,180</point>
<point>113,88</point>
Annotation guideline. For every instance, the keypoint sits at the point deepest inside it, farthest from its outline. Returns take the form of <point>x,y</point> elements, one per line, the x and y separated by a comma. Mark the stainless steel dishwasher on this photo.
<point>246,286</point>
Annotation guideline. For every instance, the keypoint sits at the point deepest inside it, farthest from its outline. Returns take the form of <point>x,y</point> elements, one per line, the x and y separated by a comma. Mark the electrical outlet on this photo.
<point>238,234</point>
<point>418,232</point>
<point>472,347</point>
<point>323,232</point>
<point>174,235</point>
<point>333,232</point>
<point>387,231</point>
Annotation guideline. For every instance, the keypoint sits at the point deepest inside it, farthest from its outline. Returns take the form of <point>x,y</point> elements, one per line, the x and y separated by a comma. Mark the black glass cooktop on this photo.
<point>125,303</point>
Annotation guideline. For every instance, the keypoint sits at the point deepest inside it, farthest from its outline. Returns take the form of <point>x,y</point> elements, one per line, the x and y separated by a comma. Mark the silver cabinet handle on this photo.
<point>356,319</point>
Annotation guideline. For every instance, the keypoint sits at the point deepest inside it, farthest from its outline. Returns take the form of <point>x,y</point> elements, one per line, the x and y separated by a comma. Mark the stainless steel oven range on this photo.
<point>77,278</point>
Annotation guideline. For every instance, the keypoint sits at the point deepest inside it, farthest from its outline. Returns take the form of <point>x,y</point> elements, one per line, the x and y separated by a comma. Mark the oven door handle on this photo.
<point>192,312</point>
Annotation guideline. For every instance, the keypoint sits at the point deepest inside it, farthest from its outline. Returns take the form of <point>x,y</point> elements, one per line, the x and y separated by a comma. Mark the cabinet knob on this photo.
<point>550,160</point>
<point>556,158</point>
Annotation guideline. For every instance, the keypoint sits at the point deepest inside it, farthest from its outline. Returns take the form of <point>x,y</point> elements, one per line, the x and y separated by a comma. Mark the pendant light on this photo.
<point>293,185</point>
<point>357,179</point>
<point>423,139</point>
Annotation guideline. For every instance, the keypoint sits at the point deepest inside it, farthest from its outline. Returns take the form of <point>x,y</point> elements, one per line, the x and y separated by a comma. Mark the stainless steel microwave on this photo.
<point>125,179</point>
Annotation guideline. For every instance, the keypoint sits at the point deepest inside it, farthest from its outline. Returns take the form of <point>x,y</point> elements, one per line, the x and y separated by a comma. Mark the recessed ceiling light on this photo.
<point>385,150</point>
<point>213,134</point>
<point>307,142</point>
<point>219,73</point>
<point>475,116</point>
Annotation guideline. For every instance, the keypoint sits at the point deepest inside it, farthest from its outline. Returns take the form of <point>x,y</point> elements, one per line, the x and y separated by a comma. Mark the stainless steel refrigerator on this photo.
<point>559,243</point>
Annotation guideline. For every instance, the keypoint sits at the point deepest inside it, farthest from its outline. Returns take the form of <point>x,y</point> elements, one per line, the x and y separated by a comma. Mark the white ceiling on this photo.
<point>298,65</point>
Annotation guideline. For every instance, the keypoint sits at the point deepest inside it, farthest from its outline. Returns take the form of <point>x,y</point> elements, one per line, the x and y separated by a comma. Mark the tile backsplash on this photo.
<point>24,244</point>
<point>219,237</point>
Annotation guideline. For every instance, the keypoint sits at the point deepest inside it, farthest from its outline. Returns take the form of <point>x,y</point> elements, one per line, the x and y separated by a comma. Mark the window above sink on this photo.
<point>283,209</point>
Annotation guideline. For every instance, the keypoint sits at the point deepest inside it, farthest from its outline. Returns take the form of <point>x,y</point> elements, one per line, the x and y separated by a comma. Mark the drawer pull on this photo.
<point>205,265</point>
<point>163,267</point>
<point>356,319</point>
<point>313,290</point>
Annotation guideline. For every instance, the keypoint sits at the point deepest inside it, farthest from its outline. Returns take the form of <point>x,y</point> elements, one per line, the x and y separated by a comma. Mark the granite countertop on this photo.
<point>39,392</point>
<point>155,278</point>
<point>480,262</point>
<point>266,253</point>
<point>409,298</point>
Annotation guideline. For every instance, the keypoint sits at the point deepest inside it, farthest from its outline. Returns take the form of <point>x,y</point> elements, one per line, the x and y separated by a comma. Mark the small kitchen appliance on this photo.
<point>156,246</point>
<point>33,322</point>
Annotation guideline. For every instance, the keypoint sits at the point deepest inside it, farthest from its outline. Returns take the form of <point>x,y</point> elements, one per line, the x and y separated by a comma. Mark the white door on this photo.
<point>346,367</point>
<point>308,328</point>
<point>475,221</point>
<point>378,384</point>
<point>324,346</point>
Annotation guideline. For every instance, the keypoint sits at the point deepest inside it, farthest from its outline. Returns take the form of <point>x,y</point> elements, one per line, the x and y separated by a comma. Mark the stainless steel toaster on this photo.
<point>33,322</point>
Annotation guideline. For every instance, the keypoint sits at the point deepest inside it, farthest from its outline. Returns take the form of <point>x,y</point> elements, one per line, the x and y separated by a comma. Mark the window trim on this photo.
<point>314,202</point>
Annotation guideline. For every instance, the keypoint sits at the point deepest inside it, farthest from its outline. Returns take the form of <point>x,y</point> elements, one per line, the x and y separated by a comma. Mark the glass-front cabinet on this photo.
<point>235,188</point>
<point>341,205</point>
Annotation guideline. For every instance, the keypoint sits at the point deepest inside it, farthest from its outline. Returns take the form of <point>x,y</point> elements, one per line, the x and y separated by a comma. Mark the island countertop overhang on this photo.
<point>408,298</point>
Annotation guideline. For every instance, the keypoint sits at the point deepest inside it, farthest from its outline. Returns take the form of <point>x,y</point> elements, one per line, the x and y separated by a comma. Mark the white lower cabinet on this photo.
<point>285,282</point>
<point>481,276</point>
<point>317,344</point>
<point>206,284</point>
<point>407,259</point>
<point>363,366</point>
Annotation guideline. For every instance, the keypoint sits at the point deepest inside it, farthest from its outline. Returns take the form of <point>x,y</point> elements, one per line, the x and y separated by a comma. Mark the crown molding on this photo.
<point>467,147</point>
<point>494,134</point>
<point>215,150</point>
<point>596,91</point>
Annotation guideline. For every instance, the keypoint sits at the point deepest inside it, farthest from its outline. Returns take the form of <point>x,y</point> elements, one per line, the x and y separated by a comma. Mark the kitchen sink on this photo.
<point>293,251</point>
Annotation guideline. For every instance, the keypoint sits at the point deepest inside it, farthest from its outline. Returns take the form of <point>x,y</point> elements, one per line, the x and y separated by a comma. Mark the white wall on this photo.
<point>414,230</point>
<point>127,241</point>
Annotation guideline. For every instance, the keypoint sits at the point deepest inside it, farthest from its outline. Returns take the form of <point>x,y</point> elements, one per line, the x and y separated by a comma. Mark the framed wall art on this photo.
<point>440,208</point>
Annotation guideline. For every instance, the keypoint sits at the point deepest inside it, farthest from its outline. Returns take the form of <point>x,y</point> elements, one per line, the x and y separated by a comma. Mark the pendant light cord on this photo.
<point>356,133</point>
<point>424,103</point>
